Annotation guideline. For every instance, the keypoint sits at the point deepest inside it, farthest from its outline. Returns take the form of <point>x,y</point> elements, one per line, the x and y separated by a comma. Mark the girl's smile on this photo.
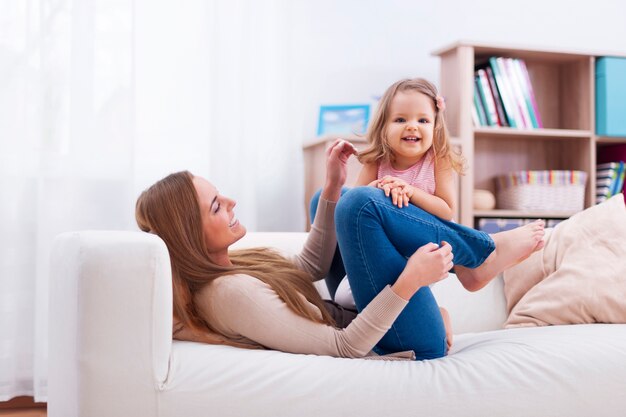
<point>410,127</point>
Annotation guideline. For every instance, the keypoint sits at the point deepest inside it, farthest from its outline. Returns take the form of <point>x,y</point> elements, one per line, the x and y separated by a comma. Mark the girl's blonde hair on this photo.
<point>170,209</point>
<point>379,149</point>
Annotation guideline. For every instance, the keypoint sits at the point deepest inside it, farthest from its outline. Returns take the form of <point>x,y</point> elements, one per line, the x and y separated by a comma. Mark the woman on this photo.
<point>258,299</point>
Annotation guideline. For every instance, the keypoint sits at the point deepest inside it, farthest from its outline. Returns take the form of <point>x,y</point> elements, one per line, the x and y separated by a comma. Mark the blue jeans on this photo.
<point>376,238</point>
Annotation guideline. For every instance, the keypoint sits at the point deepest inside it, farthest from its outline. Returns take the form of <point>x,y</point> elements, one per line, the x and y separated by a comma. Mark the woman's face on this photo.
<point>219,224</point>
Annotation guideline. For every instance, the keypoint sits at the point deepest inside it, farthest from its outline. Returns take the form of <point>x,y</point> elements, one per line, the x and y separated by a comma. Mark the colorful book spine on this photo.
<point>619,181</point>
<point>517,93</point>
<point>487,97</point>
<point>502,117</point>
<point>606,178</point>
<point>533,101</point>
<point>505,93</point>
<point>521,80</point>
<point>475,118</point>
<point>480,109</point>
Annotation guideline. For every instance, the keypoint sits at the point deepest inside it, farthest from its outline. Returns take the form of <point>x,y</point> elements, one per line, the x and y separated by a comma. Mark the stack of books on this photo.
<point>609,180</point>
<point>504,96</point>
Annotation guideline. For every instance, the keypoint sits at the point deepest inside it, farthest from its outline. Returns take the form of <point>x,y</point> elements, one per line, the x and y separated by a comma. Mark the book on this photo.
<point>475,118</point>
<point>478,104</point>
<point>517,93</point>
<point>502,117</point>
<point>487,97</point>
<point>607,177</point>
<point>533,101</point>
<point>505,93</point>
<point>619,180</point>
<point>521,80</point>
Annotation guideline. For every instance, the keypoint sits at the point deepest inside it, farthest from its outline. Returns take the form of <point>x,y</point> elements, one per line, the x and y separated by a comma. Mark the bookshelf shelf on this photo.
<point>536,133</point>
<point>523,214</point>
<point>609,140</point>
<point>564,88</point>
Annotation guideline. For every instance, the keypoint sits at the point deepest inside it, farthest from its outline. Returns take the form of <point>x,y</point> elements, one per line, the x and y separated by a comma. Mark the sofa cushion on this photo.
<point>549,371</point>
<point>579,276</point>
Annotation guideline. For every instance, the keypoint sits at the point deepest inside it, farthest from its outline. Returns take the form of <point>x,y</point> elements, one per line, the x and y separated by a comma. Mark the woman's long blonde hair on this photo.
<point>170,209</point>
<point>379,149</point>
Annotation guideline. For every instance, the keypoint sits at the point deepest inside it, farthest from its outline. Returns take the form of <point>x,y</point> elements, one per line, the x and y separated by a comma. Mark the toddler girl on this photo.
<point>411,159</point>
<point>410,156</point>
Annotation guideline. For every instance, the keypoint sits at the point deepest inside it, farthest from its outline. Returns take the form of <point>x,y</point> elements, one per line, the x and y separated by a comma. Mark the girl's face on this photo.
<point>219,225</point>
<point>409,128</point>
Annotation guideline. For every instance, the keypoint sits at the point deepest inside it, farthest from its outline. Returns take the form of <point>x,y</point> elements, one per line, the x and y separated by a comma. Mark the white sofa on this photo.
<point>111,353</point>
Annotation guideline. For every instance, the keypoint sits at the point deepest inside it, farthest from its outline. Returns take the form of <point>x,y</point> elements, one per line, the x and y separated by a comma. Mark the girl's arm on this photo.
<point>368,175</point>
<point>442,203</point>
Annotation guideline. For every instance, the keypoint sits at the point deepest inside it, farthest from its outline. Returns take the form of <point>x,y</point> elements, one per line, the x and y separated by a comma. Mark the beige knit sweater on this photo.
<point>248,311</point>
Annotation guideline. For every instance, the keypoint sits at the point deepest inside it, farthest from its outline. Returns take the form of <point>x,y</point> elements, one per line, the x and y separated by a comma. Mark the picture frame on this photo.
<point>343,119</point>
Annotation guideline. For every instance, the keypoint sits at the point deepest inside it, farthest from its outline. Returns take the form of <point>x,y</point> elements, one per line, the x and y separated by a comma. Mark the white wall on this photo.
<point>350,50</point>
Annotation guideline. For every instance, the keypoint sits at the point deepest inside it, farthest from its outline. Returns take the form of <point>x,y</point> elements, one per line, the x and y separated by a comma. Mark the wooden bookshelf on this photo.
<point>564,87</point>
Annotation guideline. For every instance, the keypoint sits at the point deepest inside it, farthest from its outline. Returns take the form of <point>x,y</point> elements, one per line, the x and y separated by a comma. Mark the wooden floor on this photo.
<point>24,412</point>
<point>22,407</point>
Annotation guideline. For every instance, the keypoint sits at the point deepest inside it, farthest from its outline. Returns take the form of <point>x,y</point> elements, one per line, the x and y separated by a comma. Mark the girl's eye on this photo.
<point>217,207</point>
<point>424,121</point>
<point>399,120</point>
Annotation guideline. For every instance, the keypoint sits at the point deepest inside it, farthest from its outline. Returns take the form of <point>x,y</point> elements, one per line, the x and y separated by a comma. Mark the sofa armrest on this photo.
<point>110,323</point>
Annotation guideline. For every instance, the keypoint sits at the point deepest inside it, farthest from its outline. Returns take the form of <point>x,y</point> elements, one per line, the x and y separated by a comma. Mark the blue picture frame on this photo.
<point>343,119</point>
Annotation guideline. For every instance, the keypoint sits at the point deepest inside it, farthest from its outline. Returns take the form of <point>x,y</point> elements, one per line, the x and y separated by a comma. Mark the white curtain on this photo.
<point>99,99</point>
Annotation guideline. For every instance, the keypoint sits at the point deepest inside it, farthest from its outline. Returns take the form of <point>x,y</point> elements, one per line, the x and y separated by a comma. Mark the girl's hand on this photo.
<point>429,264</point>
<point>399,190</point>
<point>337,156</point>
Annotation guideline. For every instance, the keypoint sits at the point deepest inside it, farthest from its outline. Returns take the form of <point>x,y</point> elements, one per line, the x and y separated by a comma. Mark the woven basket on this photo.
<point>542,190</point>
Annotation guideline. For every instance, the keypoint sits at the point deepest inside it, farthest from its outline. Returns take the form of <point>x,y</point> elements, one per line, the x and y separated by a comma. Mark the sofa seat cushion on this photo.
<point>555,370</point>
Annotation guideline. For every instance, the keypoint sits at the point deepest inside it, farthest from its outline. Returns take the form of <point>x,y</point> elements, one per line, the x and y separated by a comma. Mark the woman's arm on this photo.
<point>337,156</point>
<point>317,253</point>
<point>244,308</point>
<point>319,249</point>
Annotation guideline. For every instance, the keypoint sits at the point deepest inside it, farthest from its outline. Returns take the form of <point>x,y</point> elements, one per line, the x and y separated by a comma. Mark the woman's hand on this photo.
<point>429,264</point>
<point>399,190</point>
<point>337,156</point>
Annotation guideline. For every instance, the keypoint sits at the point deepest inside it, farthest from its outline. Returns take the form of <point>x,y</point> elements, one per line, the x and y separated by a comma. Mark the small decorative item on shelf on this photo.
<point>542,190</point>
<point>484,200</point>
<point>345,119</point>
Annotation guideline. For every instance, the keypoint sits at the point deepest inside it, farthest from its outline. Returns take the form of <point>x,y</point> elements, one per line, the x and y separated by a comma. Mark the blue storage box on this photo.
<point>611,96</point>
<point>489,225</point>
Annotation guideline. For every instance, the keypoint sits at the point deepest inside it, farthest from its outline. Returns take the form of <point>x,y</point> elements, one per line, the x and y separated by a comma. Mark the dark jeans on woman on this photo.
<point>376,238</point>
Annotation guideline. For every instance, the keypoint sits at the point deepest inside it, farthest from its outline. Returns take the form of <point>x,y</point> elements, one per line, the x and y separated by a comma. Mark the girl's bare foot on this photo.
<point>512,247</point>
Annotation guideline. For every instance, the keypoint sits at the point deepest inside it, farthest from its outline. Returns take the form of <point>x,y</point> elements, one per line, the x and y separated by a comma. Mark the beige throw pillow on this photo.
<point>579,276</point>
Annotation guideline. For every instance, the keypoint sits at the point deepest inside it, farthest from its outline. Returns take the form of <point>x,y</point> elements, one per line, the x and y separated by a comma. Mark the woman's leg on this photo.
<point>337,271</point>
<point>376,237</point>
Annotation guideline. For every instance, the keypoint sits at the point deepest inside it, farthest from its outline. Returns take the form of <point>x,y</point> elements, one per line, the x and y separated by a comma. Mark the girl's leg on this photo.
<point>375,238</point>
<point>512,247</point>
<point>337,271</point>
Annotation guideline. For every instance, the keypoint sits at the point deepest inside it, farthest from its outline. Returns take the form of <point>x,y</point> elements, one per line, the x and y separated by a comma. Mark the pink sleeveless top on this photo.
<point>420,175</point>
